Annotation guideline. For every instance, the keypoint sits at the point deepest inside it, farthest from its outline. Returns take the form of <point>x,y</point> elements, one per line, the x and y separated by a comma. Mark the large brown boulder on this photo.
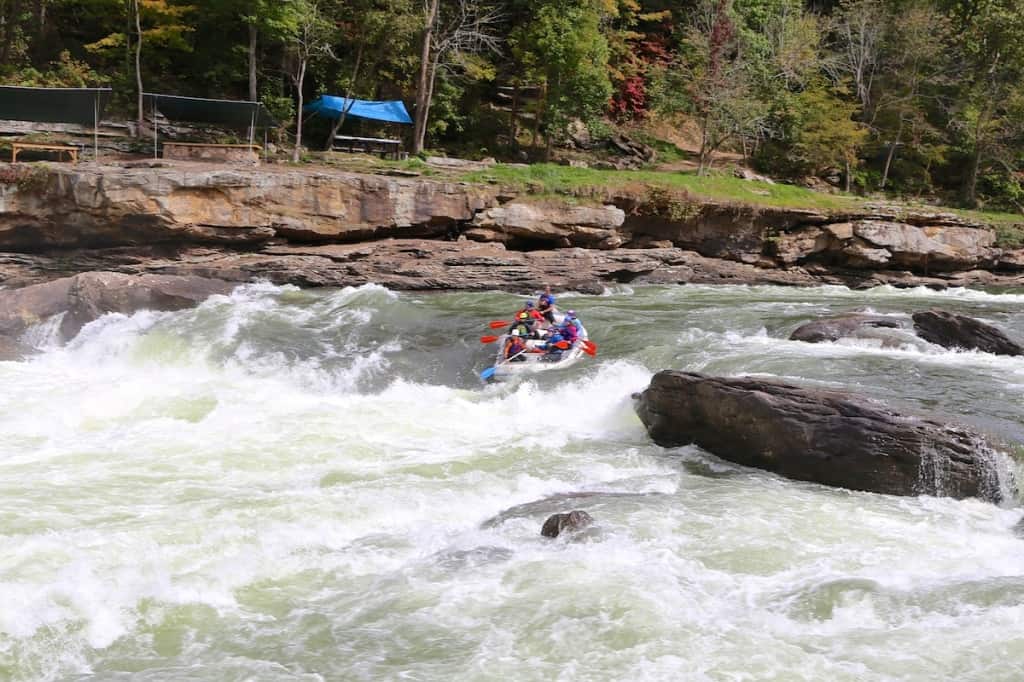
<point>818,436</point>
<point>950,330</point>
<point>85,297</point>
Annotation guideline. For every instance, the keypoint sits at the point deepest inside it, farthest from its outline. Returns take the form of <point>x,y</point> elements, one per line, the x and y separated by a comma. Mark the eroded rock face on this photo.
<point>196,203</point>
<point>818,436</point>
<point>843,326</point>
<point>562,523</point>
<point>85,297</point>
<point>587,226</point>
<point>950,330</point>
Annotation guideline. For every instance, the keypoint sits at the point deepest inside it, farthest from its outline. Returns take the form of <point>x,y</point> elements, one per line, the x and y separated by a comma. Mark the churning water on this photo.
<point>314,485</point>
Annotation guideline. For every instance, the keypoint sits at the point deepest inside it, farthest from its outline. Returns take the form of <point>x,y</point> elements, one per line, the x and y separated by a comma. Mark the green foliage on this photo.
<point>909,96</point>
<point>66,72</point>
<point>564,50</point>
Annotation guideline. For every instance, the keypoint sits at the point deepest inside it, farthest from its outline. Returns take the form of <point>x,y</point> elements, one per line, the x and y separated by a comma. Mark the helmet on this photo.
<point>523,316</point>
<point>529,304</point>
<point>570,315</point>
<point>515,332</point>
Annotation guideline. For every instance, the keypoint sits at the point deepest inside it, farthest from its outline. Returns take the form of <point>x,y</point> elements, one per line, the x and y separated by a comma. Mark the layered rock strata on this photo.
<point>187,204</point>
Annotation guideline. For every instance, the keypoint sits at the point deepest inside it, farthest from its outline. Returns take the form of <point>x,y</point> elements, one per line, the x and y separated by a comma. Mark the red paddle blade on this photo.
<point>489,339</point>
<point>589,351</point>
<point>564,345</point>
<point>590,346</point>
<point>498,324</point>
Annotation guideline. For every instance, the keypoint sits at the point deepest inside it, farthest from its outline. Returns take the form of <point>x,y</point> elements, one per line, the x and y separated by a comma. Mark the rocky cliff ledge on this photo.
<point>297,224</point>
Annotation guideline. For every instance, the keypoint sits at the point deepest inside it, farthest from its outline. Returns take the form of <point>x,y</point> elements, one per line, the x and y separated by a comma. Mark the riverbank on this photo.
<point>476,227</point>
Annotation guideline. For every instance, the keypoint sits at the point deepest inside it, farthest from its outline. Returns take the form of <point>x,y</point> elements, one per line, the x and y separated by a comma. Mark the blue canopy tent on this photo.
<point>339,108</point>
<point>330,106</point>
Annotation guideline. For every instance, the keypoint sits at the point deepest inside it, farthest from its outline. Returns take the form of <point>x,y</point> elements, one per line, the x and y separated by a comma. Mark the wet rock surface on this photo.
<point>950,330</point>
<point>823,437</point>
<point>569,522</point>
<point>85,297</point>
<point>843,326</point>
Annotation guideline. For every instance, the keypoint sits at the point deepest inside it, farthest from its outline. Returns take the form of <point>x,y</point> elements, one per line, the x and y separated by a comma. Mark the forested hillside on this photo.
<point>916,97</point>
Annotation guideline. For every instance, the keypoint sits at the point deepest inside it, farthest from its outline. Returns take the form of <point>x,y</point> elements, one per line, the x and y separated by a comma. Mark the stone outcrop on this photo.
<point>153,202</point>
<point>950,330</point>
<point>183,205</point>
<point>823,437</point>
<point>83,298</point>
<point>569,522</point>
<point>554,225</point>
<point>844,326</point>
<point>940,242</point>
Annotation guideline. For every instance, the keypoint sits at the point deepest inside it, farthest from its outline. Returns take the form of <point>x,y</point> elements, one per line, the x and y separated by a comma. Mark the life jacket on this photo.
<point>524,329</point>
<point>513,347</point>
<point>570,332</point>
<point>533,313</point>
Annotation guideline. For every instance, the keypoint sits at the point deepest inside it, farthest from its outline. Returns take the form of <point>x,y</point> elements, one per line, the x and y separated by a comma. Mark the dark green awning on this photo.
<point>224,112</point>
<point>53,105</point>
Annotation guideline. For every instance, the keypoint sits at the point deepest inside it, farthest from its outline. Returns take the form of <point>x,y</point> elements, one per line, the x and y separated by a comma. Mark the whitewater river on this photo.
<point>313,485</point>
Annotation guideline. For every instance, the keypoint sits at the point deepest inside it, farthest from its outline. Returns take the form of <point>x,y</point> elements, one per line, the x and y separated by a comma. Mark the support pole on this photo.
<point>96,128</point>
<point>155,132</point>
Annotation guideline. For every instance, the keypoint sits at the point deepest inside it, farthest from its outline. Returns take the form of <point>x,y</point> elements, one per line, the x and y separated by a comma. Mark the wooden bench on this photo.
<point>370,145</point>
<point>59,148</point>
<point>206,151</point>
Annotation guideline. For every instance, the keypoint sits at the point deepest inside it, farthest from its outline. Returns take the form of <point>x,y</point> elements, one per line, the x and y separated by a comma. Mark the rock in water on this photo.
<point>950,330</point>
<point>87,296</point>
<point>818,436</point>
<point>842,326</point>
<point>560,523</point>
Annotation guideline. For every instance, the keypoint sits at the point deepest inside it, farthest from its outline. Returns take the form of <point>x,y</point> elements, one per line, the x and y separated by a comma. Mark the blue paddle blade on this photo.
<point>487,373</point>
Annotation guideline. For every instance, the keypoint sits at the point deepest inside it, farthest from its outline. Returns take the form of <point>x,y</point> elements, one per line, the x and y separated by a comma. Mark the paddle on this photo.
<point>489,339</point>
<point>498,324</point>
<point>489,372</point>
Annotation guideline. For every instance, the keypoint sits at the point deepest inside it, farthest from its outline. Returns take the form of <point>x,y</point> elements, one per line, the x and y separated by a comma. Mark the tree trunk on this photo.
<point>702,155</point>
<point>253,94</point>
<point>422,85</point>
<point>10,25</point>
<point>298,115</point>
<point>336,126</point>
<point>138,65</point>
<point>513,124</point>
<point>429,99</point>
<point>971,182</point>
<point>891,154</point>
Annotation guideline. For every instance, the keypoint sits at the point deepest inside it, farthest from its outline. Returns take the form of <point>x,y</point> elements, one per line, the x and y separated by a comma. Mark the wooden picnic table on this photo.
<point>371,145</point>
<point>59,148</point>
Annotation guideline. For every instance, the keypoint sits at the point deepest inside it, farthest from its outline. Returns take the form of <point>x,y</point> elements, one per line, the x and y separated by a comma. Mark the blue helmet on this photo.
<point>570,315</point>
<point>529,304</point>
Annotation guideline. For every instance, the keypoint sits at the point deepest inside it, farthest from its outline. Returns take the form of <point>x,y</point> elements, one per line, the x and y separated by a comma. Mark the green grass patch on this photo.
<point>566,180</point>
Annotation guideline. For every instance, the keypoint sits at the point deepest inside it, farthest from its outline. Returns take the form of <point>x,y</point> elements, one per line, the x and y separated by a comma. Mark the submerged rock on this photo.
<point>950,330</point>
<point>1018,530</point>
<point>11,350</point>
<point>818,436</point>
<point>843,326</point>
<point>85,297</point>
<point>569,522</point>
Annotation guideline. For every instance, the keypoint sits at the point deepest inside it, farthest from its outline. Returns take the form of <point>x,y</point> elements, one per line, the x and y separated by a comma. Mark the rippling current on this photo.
<point>286,484</point>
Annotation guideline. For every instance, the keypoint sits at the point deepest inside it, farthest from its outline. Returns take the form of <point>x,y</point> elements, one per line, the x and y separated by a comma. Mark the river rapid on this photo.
<point>288,484</point>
